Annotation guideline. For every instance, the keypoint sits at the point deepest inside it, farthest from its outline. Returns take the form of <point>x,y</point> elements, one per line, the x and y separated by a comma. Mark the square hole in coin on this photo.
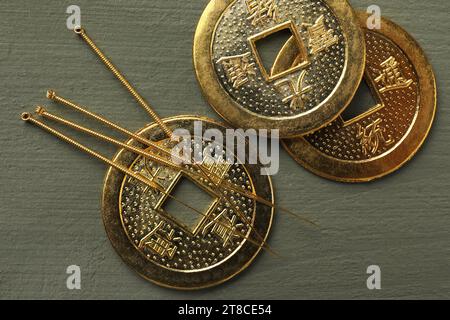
<point>364,102</point>
<point>191,194</point>
<point>269,45</point>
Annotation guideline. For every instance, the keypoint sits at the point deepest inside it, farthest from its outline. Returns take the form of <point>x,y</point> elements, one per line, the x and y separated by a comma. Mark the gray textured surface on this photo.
<point>50,194</point>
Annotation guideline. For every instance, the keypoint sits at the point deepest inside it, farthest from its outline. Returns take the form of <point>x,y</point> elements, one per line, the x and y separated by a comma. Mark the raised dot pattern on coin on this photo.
<point>255,93</point>
<point>242,79</point>
<point>380,140</point>
<point>204,246</point>
<point>176,245</point>
<point>380,129</point>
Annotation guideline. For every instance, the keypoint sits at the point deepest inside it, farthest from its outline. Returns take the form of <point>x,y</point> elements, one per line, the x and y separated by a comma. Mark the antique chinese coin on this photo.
<point>386,133</point>
<point>240,79</point>
<point>196,249</point>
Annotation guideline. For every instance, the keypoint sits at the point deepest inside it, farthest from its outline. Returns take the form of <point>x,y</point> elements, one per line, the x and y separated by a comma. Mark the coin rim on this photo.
<point>356,172</point>
<point>133,258</point>
<point>288,127</point>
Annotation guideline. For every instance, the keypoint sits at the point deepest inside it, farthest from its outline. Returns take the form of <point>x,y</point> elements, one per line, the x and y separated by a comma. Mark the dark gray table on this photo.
<point>50,194</point>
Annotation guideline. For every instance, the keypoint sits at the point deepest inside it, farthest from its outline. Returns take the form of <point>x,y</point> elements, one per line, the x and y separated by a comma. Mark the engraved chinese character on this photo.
<point>391,76</point>
<point>296,91</point>
<point>160,241</point>
<point>160,175</point>
<point>320,38</point>
<point>216,168</point>
<point>371,137</point>
<point>238,69</point>
<point>260,10</point>
<point>223,227</point>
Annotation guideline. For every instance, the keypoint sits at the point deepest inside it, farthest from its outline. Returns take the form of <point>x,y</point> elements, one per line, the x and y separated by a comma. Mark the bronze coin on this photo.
<point>366,146</point>
<point>184,252</point>
<point>250,90</point>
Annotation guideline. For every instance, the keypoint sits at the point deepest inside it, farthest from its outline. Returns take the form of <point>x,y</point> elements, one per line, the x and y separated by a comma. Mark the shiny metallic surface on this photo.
<point>168,251</point>
<point>380,140</point>
<point>297,98</point>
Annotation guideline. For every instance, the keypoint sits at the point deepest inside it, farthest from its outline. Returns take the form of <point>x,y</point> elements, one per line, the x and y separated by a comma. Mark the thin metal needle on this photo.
<point>52,95</point>
<point>28,117</point>
<point>41,111</point>
<point>82,33</point>
<point>220,194</point>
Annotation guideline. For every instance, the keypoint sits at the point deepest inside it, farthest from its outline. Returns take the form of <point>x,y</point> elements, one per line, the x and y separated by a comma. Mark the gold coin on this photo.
<point>376,142</point>
<point>185,251</point>
<point>243,85</point>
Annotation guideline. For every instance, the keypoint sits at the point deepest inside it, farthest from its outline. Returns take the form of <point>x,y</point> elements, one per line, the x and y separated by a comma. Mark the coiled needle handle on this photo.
<point>82,33</point>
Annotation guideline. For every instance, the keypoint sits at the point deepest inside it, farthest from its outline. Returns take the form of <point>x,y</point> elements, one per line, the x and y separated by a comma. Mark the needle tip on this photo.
<point>51,94</point>
<point>25,116</point>
<point>40,110</point>
<point>78,30</point>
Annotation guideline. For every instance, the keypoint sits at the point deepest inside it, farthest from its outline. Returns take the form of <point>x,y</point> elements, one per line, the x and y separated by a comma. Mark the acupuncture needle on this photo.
<point>42,112</point>
<point>52,95</point>
<point>82,33</point>
<point>29,118</point>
